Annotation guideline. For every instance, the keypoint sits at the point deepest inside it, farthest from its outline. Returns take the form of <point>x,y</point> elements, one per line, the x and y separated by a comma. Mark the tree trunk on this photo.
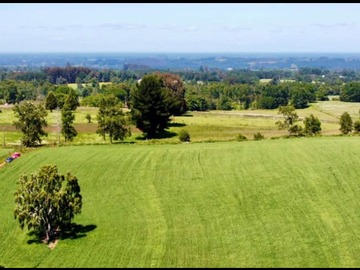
<point>48,233</point>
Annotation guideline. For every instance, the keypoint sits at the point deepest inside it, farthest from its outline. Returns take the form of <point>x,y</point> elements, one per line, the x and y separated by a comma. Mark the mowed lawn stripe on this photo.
<point>270,203</point>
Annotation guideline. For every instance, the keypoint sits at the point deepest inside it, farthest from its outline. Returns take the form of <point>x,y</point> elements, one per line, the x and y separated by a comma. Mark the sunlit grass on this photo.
<point>263,204</point>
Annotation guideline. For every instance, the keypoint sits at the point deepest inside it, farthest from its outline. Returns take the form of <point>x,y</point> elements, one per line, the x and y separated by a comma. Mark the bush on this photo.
<point>346,124</point>
<point>258,136</point>
<point>88,117</point>
<point>357,126</point>
<point>241,137</point>
<point>184,136</point>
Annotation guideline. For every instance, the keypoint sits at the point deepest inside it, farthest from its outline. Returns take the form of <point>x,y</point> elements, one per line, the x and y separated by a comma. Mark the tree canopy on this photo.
<point>150,102</point>
<point>111,119</point>
<point>67,119</point>
<point>290,118</point>
<point>47,201</point>
<point>312,125</point>
<point>31,121</point>
<point>346,123</point>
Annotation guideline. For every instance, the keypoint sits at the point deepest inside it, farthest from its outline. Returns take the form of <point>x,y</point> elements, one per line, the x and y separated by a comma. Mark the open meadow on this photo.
<point>270,203</point>
<point>213,202</point>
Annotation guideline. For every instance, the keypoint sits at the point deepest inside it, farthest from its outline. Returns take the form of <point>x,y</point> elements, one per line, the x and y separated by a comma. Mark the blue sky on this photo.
<point>259,27</point>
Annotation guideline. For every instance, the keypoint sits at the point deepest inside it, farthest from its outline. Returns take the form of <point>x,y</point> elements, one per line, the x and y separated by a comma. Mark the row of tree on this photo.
<point>312,125</point>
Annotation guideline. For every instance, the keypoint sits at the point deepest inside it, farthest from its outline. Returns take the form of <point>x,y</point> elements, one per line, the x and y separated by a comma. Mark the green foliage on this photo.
<point>258,136</point>
<point>346,124</point>
<point>31,121</point>
<point>112,120</point>
<point>350,92</point>
<point>184,136</point>
<point>224,104</point>
<point>67,119</point>
<point>92,101</point>
<point>176,90</point>
<point>51,101</point>
<point>290,118</point>
<point>273,96</point>
<point>61,98</point>
<point>197,103</point>
<point>72,100</point>
<point>240,137</point>
<point>357,126</point>
<point>45,204</point>
<point>322,93</point>
<point>312,125</point>
<point>120,90</point>
<point>149,105</point>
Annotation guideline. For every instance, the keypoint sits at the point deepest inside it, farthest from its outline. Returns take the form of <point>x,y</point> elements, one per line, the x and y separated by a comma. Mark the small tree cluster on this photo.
<point>347,125</point>
<point>312,125</point>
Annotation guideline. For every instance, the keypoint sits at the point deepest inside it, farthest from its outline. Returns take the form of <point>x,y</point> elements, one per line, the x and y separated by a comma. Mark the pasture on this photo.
<point>270,203</point>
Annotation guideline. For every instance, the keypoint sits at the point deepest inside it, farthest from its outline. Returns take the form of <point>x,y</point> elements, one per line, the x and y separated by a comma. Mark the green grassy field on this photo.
<point>271,203</point>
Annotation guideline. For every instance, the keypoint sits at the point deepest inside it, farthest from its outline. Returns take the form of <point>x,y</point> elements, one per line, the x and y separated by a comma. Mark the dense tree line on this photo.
<point>203,89</point>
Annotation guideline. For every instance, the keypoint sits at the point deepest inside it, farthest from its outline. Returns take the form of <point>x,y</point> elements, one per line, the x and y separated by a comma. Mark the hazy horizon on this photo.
<point>180,28</point>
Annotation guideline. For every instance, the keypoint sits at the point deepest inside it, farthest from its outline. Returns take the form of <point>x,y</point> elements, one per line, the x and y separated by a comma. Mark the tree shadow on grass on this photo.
<point>175,124</point>
<point>161,135</point>
<point>122,142</point>
<point>74,231</point>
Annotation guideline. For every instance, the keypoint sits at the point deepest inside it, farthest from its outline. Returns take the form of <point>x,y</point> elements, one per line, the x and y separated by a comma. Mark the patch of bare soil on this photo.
<point>52,245</point>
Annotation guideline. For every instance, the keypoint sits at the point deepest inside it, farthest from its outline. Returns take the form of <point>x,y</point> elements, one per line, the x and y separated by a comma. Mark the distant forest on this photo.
<point>207,87</point>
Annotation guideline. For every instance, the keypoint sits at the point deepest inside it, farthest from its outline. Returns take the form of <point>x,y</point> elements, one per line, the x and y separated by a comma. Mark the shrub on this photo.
<point>357,126</point>
<point>184,136</point>
<point>258,136</point>
<point>240,137</point>
<point>312,125</point>
<point>88,117</point>
<point>346,124</point>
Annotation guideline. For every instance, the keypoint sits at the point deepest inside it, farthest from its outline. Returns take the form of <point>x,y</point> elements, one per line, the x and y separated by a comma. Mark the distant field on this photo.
<point>75,87</point>
<point>266,204</point>
<point>202,126</point>
<point>268,80</point>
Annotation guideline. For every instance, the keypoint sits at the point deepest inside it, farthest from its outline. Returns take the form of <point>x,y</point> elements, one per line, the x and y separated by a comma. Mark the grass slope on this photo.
<point>271,203</point>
